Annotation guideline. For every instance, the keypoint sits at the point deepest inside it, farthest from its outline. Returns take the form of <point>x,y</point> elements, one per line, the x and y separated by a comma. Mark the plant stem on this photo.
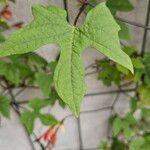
<point>80,133</point>
<point>16,109</point>
<point>66,8</point>
<point>83,6</point>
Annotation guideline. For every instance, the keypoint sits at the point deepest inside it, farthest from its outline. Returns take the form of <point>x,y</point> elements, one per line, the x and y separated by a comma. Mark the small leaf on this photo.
<point>44,81</point>
<point>36,60</point>
<point>119,5</point>
<point>124,32</point>
<point>4,106</point>
<point>137,63</point>
<point>48,119</point>
<point>146,113</point>
<point>2,38</point>
<point>37,104</point>
<point>117,145</point>
<point>140,143</point>
<point>117,126</point>
<point>109,74</point>
<point>144,94</point>
<point>122,69</point>
<point>3,25</point>
<point>133,104</point>
<point>27,118</point>
<point>129,50</point>
<point>52,66</point>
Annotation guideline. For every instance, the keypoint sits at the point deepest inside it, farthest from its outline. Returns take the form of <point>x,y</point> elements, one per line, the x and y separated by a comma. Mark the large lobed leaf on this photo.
<point>99,31</point>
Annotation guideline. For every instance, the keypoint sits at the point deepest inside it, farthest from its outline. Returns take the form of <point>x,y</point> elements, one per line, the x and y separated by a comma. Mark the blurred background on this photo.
<point>93,127</point>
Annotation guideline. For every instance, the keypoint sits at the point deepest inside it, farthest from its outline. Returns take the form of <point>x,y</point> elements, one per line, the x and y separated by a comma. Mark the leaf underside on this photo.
<point>99,31</point>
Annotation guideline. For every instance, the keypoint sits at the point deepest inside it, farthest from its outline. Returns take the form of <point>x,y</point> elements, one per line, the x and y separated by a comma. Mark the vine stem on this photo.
<point>16,109</point>
<point>66,8</point>
<point>81,9</point>
<point>80,133</point>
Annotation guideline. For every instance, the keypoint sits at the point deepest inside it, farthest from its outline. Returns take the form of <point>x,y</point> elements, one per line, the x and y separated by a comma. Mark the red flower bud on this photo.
<point>6,12</point>
<point>18,25</point>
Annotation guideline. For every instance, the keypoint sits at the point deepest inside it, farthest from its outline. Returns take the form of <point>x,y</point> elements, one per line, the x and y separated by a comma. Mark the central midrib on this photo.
<point>71,67</point>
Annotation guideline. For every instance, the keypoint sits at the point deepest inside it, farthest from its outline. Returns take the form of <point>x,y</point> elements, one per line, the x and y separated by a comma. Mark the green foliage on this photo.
<point>2,38</point>
<point>146,62</point>
<point>109,73</point>
<point>4,106</point>
<point>3,25</point>
<point>10,72</point>
<point>124,125</point>
<point>45,82</point>
<point>104,146</point>
<point>48,120</point>
<point>140,143</point>
<point>28,117</point>
<point>144,96</point>
<point>124,31</point>
<point>119,5</point>
<point>117,145</point>
<point>50,26</point>
<point>133,104</point>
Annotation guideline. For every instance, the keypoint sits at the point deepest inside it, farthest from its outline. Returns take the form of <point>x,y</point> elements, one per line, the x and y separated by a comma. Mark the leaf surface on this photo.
<point>4,106</point>
<point>99,31</point>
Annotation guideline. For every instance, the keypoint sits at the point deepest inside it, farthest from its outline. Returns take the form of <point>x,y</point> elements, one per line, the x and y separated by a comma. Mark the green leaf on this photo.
<point>119,5</point>
<point>140,143</point>
<point>2,38</point>
<point>136,144</point>
<point>146,113</point>
<point>129,50</point>
<point>45,82</point>
<point>133,104</point>
<point>124,125</point>
<point>118,145</point>
<point>104,146</point>
<point>122,69</point>
<point>146,61</point>
<point>52,66</point>
<point>117,126</point>
<point>48,119</point>
<point>99,31</point>
<point>3,25</point>
<point>109,74</point>
<point>27,118</point>
<point>144,95</point>
<point>137,63</point>
<point>36,60</point>
<point>10,71</point>
<point>124,32</point>
<point>4,106</point>
<point>37,104</point>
